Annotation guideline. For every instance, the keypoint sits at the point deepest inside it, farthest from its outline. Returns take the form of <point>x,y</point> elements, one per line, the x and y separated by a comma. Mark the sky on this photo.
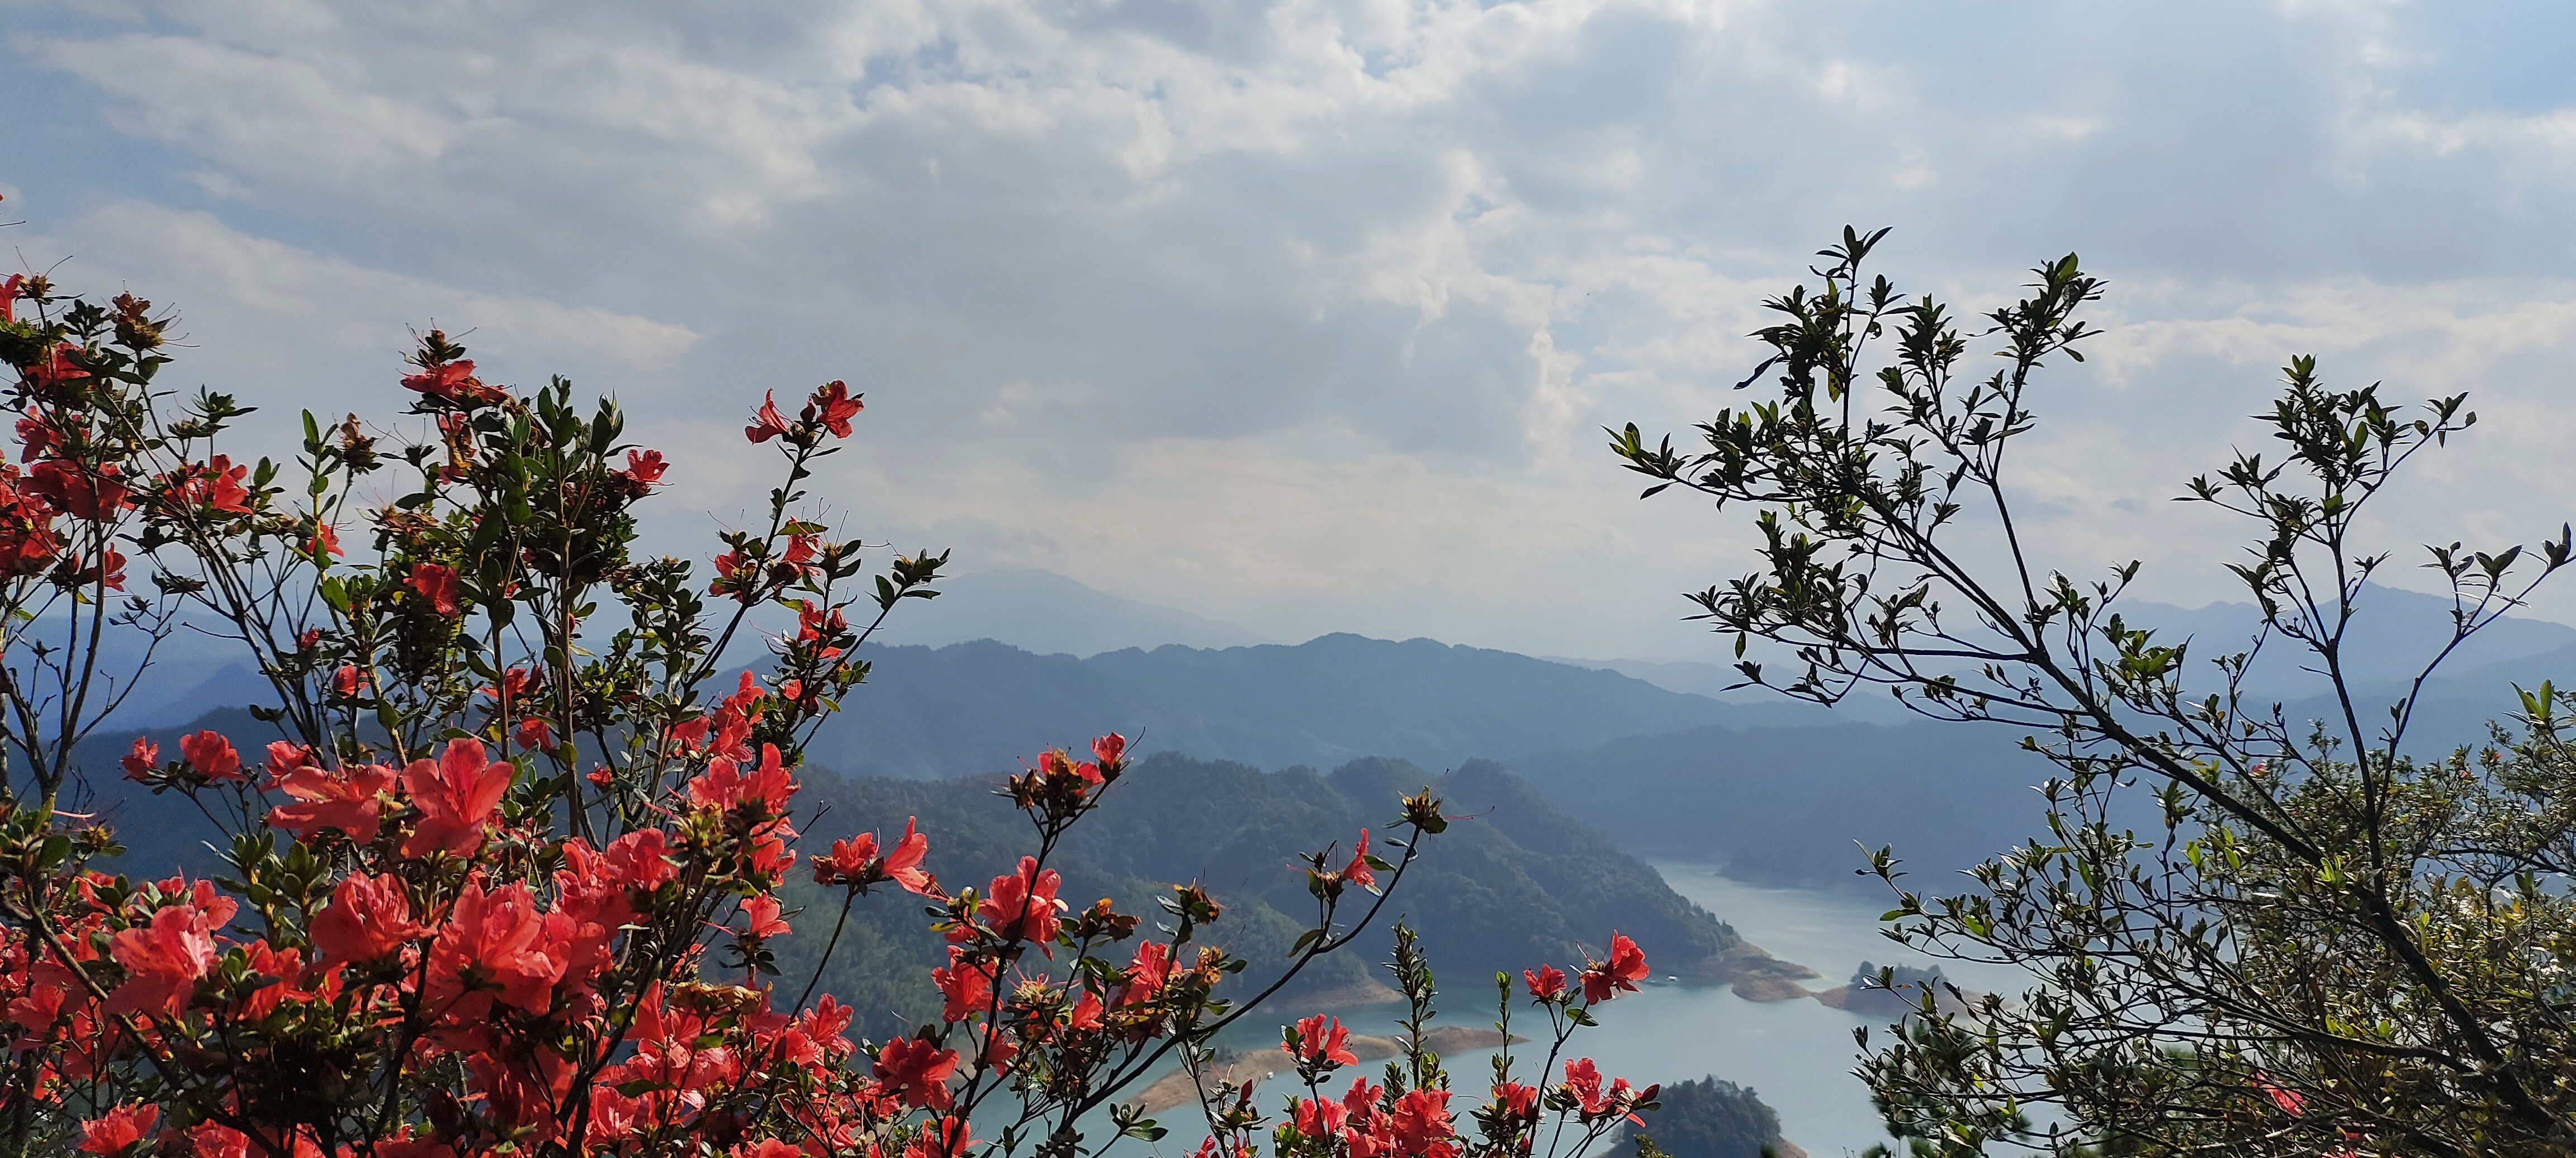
<point>1307,315</point>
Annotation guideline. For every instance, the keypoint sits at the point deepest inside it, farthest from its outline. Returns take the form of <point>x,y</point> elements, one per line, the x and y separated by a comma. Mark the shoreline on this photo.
<point>1175,1089</point>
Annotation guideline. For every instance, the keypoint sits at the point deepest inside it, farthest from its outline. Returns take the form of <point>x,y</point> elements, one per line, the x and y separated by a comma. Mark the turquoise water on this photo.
<point>1797,1055</point>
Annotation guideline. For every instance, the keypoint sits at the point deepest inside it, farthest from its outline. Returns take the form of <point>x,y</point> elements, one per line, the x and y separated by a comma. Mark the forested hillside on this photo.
<point>1512,883</point>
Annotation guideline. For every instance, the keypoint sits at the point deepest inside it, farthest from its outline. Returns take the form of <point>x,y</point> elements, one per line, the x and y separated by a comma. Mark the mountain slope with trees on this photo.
<point>1513,881</point>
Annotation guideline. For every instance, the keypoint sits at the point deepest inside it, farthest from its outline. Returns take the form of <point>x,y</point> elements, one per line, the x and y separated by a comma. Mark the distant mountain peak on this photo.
<point>1043,612</point>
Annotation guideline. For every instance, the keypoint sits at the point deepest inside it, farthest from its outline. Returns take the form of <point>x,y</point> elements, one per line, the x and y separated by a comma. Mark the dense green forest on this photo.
<point>1513,883</point>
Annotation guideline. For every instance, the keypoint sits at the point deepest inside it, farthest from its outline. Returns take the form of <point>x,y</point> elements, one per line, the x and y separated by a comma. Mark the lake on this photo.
<point>1797,1055</point>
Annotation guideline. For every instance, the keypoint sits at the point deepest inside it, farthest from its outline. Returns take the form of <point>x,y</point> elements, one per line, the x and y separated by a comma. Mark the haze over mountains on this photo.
<point>1658,755</point>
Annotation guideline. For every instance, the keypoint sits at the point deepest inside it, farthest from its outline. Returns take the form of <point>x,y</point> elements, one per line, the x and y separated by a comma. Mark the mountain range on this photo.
<point>1660,755</point>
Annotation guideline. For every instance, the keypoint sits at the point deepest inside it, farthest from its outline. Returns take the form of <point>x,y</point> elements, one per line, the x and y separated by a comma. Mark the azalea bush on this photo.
<point>503,874</point>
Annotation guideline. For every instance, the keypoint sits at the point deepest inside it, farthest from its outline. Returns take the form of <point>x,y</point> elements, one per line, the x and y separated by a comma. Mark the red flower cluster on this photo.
<point>445,942</point>
<point>1603,980</point>
<point>829,410</point>
<point>855,863</point>
<point>450,380</point>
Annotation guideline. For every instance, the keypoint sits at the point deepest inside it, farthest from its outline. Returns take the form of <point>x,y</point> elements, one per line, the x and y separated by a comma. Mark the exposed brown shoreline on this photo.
<point>1174,1088</point>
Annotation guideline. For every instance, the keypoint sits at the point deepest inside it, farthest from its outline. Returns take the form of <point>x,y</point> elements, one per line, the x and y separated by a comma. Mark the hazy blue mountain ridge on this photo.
<point>1782,792</point>
<point>982,707</point>
<point>1044,612</point>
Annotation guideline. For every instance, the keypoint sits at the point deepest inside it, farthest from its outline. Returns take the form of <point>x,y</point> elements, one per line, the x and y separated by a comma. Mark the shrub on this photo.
<point>507,878</point>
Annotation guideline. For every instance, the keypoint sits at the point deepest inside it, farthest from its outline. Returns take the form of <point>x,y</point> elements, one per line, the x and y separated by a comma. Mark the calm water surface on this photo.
<point>1797,1055</point>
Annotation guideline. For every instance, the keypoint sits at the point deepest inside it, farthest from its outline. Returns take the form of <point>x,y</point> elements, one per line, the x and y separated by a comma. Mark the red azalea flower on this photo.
<point>119,1128</point>
<point>216,1140</point>
<point>27,537</point>
<point>1358,871</point>
<point>326,541</point>
<point>949,1138</point>
<point>1023,905</point>
<point>1517,1101</point>
<point>348,682</point>
<point>725,787</point>
<point>1545,984</point>
<point>1583,1081</point>
<point>57,367</point>
<point>1422,1125</point>
<point>351,800</point>
<point>850,862</point>
<point>730,571</point>
<point>107,572</point>
<point>454,381</point>
<point>492,947</point>
<point>1087,1013</point>
<point>689,733</point>
<point>825,1022</point>
<point>762,920</point>
<point>212,756</point>
<point>802,550</point>
<point>456,795</point>
<point>640,860</point>
<point>770,424</point>
<point>9,296</point>
<point>1146,974</point>
<point>2291,1102</point>
<point>644,467</point>
<point>285,756</point>
<point>1054,763</point>
<point>76,491</point>
<point>916,1070</point>
<point>436,582</point>
<point>769,857</point>
<point>1603,980</point>
<point>39,437</point>
<point>143,761</point>
<point>535,733</point>
<point>815,623</point>
<point>369,917</point>
<point>162,960</point>
<point>1361,1098</point>
<point>215,485</point>
<point>1317,1118</point>
<point>966,989</point>
<point>833,406</point>
<point>517,684</point>
<point>1316,1043</point>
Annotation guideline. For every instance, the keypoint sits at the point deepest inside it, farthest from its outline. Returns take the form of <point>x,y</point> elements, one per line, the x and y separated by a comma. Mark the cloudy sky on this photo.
<point>1306,315</point>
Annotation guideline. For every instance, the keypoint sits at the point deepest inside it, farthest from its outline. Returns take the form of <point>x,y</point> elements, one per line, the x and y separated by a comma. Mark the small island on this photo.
<point>1896,991</point>
<point>1708,1118</point>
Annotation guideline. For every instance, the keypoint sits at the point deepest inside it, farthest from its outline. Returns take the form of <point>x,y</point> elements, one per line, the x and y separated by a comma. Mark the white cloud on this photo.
<point>286,327</point>
<point>1307,313</point>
